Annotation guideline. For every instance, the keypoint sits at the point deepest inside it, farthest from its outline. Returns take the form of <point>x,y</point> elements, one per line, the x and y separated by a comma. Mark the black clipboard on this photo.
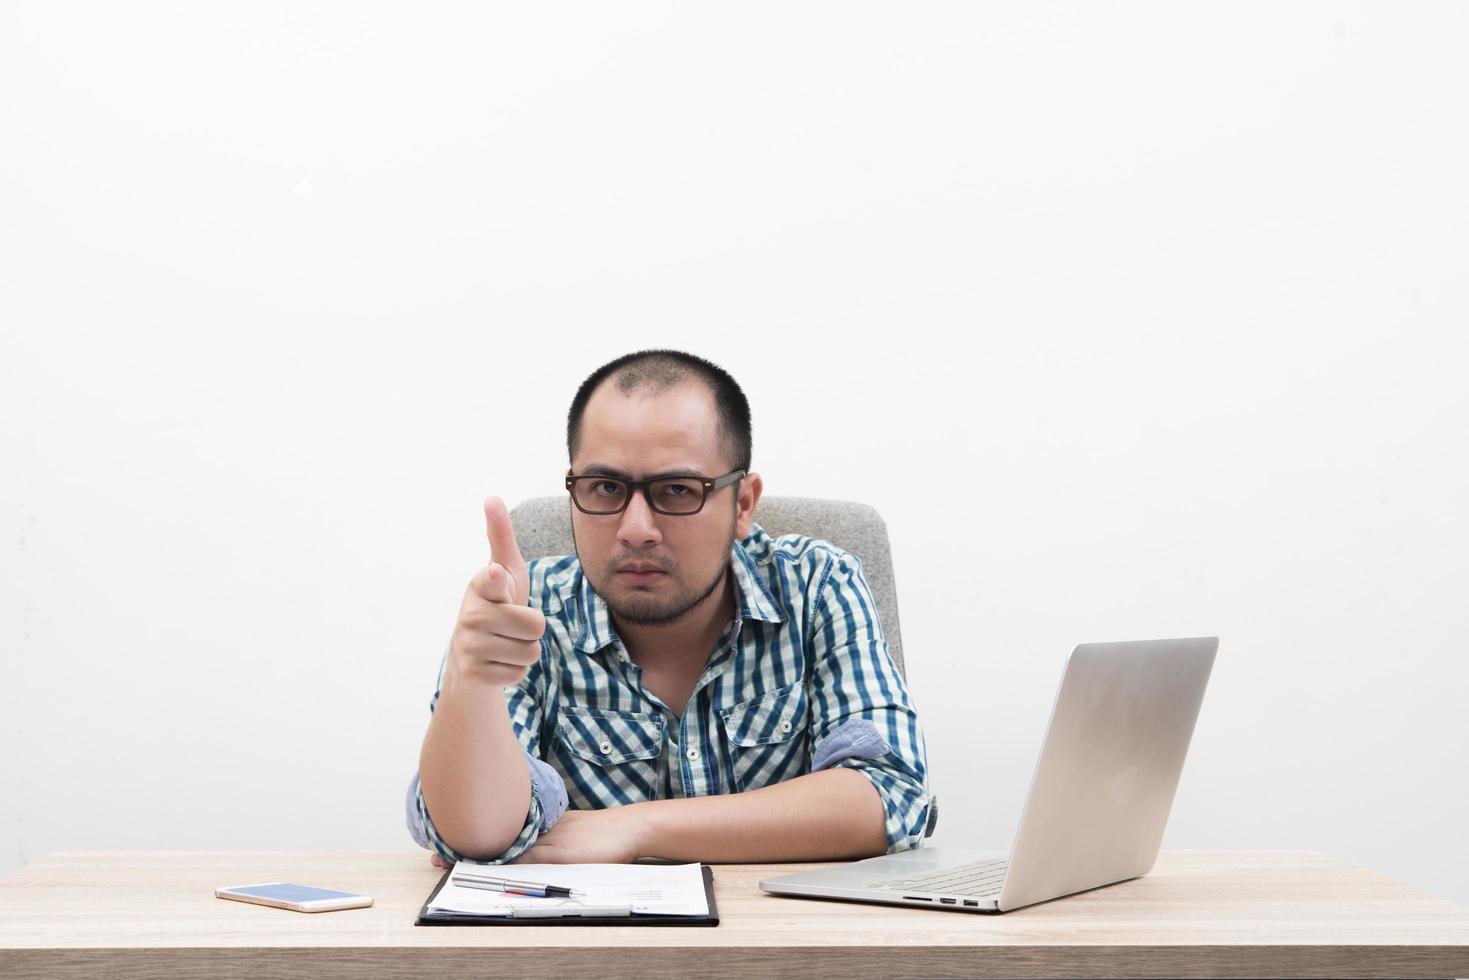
<point>635,919</point>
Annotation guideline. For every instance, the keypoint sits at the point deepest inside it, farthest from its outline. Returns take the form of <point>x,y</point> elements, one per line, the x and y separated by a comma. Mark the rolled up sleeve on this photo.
<point>864,719</point>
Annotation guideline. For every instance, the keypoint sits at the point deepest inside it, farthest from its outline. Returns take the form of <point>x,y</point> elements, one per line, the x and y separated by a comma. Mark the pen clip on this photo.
<point>572,911</point>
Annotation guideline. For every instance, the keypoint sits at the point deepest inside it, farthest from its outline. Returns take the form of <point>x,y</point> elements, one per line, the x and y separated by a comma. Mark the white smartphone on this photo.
<point>298,898</point>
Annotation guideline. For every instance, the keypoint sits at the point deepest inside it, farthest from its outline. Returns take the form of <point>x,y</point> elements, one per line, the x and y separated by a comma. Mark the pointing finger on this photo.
<point>503,547</point>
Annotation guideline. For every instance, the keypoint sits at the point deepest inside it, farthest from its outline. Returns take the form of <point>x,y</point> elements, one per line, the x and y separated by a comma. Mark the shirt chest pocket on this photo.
<point>767,737</point>
<point>624,749</point>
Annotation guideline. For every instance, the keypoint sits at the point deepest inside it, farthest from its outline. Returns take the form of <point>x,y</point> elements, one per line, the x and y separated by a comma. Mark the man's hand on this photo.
<point>611,836</point>
<point>498,636</point>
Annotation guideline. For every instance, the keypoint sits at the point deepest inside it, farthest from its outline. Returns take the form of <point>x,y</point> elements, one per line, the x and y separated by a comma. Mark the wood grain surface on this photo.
<point>1199,914</point>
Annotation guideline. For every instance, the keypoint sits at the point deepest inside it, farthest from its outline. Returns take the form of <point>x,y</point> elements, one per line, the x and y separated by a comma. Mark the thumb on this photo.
<point>504,550</point>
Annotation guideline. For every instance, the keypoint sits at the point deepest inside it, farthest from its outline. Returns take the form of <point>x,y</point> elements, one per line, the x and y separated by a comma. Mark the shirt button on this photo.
<point>693,755</point>
<point>606,748</point>
<point>785,726</point>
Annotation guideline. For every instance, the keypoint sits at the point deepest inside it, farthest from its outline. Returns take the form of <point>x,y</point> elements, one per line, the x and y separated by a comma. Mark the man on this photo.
<point>694,689</point>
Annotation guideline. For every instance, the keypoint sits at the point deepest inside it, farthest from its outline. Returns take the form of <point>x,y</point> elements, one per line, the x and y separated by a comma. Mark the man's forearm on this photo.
<point>473,772</point>
<point>830,815</point>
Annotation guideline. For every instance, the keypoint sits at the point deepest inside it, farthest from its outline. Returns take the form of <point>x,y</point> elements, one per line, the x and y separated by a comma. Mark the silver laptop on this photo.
<point>1098,801</point>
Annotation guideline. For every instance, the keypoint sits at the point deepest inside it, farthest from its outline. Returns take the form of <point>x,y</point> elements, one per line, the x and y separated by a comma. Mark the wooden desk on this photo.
<point>1199,914</point>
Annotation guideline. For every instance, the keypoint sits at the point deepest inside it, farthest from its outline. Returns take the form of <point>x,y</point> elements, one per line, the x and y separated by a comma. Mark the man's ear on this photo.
<point>749,495</point>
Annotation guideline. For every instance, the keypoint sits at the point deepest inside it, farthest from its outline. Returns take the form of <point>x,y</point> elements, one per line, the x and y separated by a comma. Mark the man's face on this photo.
<point>644,434</point>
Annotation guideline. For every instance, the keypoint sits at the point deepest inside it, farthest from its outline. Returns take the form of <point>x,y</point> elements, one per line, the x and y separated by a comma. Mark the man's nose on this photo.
<point>639,525</point>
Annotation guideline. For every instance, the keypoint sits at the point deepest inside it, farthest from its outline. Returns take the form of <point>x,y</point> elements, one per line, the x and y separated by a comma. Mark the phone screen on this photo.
<point>287,892</point>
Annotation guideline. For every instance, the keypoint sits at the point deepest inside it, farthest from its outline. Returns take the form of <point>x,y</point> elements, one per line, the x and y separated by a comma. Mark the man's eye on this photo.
<point>677,490</point>
<point>606,488</point>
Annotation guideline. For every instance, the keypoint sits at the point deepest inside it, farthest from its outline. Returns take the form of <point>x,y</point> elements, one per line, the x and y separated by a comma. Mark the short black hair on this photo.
<point>662,369</point>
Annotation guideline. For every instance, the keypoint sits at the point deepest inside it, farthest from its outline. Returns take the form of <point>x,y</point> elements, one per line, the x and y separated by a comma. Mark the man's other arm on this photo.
<point>831,815</point>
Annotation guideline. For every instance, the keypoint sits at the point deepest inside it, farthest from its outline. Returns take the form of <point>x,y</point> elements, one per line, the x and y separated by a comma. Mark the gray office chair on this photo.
<point>543,528</point>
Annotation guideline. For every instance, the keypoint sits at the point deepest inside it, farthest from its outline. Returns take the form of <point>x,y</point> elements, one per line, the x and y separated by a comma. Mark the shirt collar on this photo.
<point>594,619</point>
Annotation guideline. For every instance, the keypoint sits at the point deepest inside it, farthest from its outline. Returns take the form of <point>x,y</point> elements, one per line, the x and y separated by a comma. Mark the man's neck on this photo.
<point>692,637</point>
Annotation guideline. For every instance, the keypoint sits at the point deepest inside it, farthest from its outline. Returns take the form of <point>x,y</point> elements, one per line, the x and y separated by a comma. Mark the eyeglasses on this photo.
<point>678,496</point>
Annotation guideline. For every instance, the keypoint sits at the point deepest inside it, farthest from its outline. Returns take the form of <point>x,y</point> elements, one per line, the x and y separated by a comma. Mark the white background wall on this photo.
<point>1133,320</point>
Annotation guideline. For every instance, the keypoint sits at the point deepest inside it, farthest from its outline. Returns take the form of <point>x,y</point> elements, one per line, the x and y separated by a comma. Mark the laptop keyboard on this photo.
<point>978,880</point>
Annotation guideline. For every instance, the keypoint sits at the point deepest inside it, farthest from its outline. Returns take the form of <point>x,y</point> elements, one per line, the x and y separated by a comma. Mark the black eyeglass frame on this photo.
<point>710,485</point>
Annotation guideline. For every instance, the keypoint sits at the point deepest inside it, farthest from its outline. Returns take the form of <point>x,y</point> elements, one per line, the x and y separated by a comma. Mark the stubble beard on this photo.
<point>652,613</point>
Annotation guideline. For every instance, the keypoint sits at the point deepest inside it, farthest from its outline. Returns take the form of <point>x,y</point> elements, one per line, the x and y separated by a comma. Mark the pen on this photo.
<point>513,887</point>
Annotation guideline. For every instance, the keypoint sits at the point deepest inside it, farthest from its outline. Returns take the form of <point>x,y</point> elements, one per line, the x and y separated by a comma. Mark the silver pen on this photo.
<point>510,886</point>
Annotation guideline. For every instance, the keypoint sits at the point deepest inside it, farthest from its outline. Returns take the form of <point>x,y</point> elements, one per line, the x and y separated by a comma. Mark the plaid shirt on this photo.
<point>799,681</point>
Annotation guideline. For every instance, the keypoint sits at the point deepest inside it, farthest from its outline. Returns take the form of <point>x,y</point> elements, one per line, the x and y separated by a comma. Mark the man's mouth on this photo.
<point>637,574</point>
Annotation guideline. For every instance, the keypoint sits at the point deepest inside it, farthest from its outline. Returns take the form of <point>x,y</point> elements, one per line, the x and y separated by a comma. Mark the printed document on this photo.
<point>651,889</point>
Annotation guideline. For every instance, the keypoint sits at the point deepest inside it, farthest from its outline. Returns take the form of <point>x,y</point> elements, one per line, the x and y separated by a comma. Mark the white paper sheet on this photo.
<point>656,889</point>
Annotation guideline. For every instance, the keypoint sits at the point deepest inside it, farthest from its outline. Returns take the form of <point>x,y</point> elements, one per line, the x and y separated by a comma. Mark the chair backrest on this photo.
<point>543,528</point>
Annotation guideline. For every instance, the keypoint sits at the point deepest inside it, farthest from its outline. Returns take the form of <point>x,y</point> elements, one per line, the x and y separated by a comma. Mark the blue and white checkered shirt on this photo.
<point>800,681</point>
